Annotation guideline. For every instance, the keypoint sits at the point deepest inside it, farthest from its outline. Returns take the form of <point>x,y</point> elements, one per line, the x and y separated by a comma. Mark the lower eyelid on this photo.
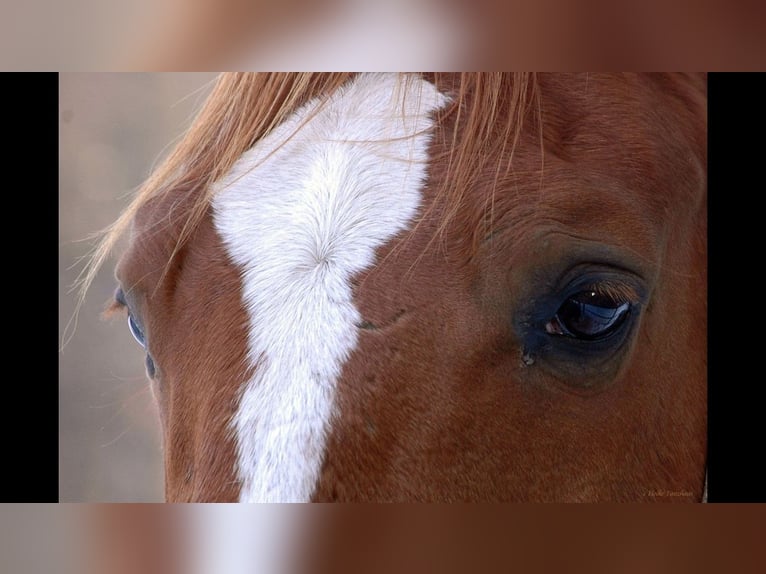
<point>150,367</point>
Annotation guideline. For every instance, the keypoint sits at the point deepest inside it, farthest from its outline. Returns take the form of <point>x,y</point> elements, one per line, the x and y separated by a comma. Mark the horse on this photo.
<point>428,287</point>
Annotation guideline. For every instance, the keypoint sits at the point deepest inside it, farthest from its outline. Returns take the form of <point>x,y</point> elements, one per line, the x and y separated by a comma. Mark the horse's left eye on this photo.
<point>588,315</point>
<point>135,330</point>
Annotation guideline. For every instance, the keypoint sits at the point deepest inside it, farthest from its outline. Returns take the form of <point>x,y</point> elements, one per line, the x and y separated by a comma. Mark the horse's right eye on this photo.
<point>135,330</point>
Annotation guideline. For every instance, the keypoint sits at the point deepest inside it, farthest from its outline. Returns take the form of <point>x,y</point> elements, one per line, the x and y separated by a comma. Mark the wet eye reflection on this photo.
<point>138,335</point>
<point>588,315</point>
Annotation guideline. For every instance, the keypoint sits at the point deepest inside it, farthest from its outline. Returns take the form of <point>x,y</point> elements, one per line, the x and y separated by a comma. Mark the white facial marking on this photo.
<point>300,222</point>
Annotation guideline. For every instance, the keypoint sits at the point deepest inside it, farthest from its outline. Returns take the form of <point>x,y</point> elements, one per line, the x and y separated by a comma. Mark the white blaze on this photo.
<point>300,221</point>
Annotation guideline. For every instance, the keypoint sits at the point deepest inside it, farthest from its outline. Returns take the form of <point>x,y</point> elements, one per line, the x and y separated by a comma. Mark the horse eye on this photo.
<point>138,335</point>
<point>588,315</point>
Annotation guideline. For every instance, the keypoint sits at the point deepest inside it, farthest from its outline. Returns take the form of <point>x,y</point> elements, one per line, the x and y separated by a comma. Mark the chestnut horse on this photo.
<point>428,287</point>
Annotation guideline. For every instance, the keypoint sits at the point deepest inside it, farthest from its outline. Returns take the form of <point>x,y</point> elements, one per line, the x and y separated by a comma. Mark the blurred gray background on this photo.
<point>112,129</point>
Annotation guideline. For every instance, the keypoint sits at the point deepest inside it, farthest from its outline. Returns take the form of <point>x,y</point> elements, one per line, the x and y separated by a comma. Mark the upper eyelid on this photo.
<point>119,297</point>
<point>617,290</point>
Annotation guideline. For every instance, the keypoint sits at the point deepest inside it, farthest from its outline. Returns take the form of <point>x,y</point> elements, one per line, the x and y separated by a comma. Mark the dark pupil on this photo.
<point>589,315</point>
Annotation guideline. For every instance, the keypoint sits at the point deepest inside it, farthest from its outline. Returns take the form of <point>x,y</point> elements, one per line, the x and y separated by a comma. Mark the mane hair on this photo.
<point>487,111</point>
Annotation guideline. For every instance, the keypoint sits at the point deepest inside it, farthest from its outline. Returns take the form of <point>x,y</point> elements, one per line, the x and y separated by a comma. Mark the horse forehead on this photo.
<point>301,214</point>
